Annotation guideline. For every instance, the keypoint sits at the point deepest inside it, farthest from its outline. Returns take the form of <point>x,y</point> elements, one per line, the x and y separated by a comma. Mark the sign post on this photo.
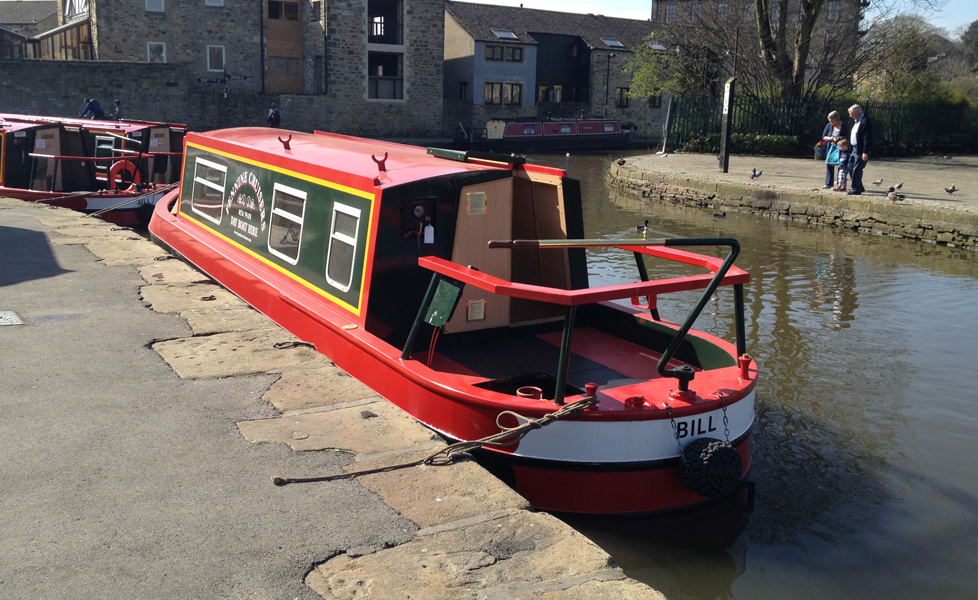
<point>725,124</point>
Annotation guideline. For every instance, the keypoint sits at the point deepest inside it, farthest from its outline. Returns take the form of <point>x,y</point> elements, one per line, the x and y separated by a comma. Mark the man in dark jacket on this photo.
<point>862,144</point>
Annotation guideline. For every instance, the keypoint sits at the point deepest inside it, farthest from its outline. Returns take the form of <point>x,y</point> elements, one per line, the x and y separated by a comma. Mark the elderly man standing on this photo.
<point>862,144</point>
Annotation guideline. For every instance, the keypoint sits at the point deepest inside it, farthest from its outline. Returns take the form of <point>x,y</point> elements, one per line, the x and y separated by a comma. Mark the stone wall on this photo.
<point>926,224</point>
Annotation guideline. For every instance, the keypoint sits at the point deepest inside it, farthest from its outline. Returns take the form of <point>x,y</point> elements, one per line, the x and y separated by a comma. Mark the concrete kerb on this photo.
<point>471,524</point>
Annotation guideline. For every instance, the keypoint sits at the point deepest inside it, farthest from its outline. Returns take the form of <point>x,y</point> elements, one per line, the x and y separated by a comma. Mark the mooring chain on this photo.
<point>447,455</point>
<point>675,432</point>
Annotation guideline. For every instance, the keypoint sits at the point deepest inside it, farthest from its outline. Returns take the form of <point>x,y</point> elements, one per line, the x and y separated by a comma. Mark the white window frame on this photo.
<point>211,68</point>
<point>298,219</point>
<point>209,184</point>
<point>155,6</point>
<point>345,239</point>
<point>149,52</point>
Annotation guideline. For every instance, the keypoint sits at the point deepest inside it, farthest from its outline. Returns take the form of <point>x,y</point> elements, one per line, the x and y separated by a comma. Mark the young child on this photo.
<point>843,165</point>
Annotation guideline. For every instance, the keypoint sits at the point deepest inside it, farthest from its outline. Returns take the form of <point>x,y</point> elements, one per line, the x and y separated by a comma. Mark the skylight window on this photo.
<point>505,34</point>
<point>612,43</point>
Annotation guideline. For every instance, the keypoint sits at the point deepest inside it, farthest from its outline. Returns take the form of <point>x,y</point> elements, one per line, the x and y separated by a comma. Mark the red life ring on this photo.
<point>123,175</point>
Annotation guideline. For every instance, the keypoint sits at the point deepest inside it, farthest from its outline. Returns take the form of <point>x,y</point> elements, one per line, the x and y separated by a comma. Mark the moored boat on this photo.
<point>548,135</point>
<point>114,169</point>
<point>456,286</point>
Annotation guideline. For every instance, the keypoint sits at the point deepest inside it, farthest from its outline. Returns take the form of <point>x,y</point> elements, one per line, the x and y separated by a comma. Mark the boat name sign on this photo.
<point>246,197</point>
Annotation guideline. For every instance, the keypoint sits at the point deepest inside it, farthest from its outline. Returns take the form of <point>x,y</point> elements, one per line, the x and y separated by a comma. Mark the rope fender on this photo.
<point>711,467</point>
<point>507,436</point>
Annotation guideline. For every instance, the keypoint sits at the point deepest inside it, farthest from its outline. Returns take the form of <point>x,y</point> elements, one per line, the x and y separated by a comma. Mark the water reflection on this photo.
<point>866,412</point>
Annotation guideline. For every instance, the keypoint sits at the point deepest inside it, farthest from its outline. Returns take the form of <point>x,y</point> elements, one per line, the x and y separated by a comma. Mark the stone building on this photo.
<point>510,62</point>
<point>371,67</point>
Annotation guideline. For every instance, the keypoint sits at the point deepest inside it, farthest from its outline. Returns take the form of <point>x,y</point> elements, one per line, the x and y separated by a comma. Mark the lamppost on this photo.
<point>607,80</point>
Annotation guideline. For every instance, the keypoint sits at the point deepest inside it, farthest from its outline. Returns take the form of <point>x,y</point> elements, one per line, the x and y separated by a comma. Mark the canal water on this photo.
<point>867,413</point>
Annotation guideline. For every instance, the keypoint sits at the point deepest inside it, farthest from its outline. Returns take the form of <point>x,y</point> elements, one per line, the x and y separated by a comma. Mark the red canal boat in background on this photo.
<point>456,286</point>
<point>114,169</point>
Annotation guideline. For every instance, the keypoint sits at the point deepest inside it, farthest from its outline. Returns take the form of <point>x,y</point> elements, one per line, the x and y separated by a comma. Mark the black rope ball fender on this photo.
<point>711,467</point>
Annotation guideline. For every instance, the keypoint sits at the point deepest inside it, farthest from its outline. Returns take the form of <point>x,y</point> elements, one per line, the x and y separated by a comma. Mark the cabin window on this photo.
<point>566,128</point>
<point>285,230</point>
<point>342,246</point>
<point>529,130</point>
<point>208,193</point>
<point>156,52</point>
<point>609,127</point>
<point>215,58</point>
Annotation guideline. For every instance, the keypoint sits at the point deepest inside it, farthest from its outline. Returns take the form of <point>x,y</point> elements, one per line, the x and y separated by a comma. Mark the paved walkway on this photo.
<point>145,410</point>
<point>924,178</point>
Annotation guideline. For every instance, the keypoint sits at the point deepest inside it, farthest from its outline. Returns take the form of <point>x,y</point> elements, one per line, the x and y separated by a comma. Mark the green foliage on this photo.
<point>680,71</point>
<point>744,143</point>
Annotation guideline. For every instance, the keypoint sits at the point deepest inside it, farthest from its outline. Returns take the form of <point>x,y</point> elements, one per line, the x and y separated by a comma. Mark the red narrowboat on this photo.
<point>456,286</point>
<point>115,169</point>
<point>548,135</point>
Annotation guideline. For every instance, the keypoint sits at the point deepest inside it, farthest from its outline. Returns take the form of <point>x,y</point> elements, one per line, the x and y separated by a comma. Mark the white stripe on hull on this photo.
<point>631,441</point>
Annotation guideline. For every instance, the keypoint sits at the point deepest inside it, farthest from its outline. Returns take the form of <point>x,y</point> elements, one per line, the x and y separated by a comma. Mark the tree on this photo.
<point>969,42</point>
<point>783,48</point>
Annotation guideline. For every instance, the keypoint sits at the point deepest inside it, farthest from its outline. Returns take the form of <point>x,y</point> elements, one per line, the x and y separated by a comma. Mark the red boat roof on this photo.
<point>329,155</point>
<point>99,124</point>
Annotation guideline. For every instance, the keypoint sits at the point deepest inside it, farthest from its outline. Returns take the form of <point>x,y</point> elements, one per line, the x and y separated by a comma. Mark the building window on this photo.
<point>284,65</point>
<point>722,9</point>
<point>342,253</point>
<point>377,26</point>
<point>505,34</point>
<point>215,58</point>
<point>749,12</point>
<point>154,5</point>
<point>285,227</point>
<point>513,94</point>
<point>315,14</point>
<point>207,197</point>
<point>775,13</point>
<point>801,12</point>
<point>612,43</point>
<point>492,93</point>
<point>655,101</point>
<point>513,54</point>
<point>213,2</point>
<point>494,52</point>
<point>156,52</point>
<point>463,90</point>
<point>832,10</point>
<point>696,12</point>
<point>385,80</point>
<point>621,97</point>
<point>670,13</point>
<point>286,11</point>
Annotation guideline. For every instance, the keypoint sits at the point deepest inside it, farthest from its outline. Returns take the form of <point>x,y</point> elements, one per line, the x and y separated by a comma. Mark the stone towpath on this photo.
<point>145,410</point>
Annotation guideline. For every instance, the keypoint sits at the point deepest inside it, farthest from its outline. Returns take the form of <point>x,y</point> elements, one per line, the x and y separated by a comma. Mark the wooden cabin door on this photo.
<point>485,213</point>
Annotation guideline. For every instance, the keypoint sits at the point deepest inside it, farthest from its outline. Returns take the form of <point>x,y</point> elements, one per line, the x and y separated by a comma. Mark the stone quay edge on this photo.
<point>790,189</point>
<point>198,354</point>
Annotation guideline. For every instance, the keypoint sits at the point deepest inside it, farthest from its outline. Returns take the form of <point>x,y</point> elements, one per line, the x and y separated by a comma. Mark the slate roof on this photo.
<point>480,19</point>
<point>22,12</point>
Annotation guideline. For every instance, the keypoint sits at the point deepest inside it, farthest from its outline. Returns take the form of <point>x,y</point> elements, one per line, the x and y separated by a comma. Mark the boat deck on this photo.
<point>525,359</point>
